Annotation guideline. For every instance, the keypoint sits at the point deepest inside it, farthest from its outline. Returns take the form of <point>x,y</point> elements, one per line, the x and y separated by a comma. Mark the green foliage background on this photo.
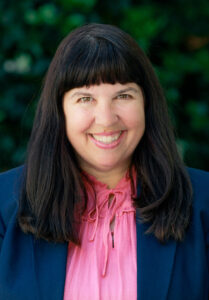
<point>174,34</point>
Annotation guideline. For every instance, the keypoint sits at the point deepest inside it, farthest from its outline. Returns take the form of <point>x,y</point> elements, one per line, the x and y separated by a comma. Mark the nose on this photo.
<point>105,114</point>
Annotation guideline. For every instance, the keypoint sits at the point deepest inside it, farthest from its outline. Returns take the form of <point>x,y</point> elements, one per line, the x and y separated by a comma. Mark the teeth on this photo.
<point>107,139</point>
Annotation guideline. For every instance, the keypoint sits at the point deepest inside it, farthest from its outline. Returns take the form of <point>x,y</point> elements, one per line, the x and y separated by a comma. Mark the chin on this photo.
<point>105,167</point>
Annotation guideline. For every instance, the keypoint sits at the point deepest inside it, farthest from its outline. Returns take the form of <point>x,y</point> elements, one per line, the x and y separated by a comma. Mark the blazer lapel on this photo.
<point>154,265</point>
<point>50,266</point>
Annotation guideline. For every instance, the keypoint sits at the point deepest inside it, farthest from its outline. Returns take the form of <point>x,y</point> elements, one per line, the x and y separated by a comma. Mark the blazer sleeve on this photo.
<point>10,183</point>
<point>1,231</point>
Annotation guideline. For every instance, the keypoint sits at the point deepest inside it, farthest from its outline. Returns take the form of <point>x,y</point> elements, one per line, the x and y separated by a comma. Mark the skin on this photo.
<point>99,111</point>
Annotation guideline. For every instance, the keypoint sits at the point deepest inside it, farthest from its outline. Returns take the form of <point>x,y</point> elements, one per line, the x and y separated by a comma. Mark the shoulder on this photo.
<point>10,183</point>
<point>199,178</point>
<point>200,183</point>
<point>11,175</point>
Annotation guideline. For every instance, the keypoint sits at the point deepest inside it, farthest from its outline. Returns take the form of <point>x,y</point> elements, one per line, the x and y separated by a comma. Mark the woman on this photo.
<point>103,208</point>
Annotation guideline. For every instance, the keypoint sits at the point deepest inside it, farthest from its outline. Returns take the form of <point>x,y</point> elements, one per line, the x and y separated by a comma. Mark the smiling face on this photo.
<point>104,124</point>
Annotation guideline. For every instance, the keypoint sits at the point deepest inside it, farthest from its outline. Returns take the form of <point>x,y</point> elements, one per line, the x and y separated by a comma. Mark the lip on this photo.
<point>113,145</point>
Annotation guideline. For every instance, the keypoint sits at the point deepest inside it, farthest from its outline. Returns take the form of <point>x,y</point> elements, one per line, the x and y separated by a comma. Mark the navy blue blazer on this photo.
<point>33,269</point>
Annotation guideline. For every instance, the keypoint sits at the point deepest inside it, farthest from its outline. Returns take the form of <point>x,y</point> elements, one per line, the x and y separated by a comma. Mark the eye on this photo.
<point>85,99</point>
<point>124,96</point>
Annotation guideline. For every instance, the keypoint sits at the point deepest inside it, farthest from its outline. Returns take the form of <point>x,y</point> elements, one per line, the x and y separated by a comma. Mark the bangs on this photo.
<point>96,60</point>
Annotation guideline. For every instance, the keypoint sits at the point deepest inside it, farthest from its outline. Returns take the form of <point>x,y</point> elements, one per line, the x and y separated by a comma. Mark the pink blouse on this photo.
<point>104,267</point>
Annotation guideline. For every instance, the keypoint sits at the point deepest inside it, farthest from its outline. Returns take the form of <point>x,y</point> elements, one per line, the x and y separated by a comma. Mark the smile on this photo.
<point>107,141</point>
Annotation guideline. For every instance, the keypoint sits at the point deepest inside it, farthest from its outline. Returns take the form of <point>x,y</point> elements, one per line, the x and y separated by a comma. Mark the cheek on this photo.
<point>134,118</point>
<point>77,121</point>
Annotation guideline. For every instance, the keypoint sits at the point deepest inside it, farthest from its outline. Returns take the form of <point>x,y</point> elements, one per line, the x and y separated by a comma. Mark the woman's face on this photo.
<point>104,124</point>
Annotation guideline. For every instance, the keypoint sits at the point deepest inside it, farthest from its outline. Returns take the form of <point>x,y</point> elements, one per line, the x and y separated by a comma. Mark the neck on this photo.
<point>111,178</point>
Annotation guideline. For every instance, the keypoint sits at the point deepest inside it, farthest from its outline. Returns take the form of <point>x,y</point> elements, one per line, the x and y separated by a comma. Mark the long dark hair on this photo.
<point>52,185</point>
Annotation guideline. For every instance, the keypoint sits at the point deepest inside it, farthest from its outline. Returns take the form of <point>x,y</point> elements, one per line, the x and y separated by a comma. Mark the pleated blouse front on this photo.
<point>104,266</point>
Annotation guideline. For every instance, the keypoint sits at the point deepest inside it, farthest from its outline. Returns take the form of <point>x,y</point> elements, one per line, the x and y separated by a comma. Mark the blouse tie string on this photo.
<point>93,216</point>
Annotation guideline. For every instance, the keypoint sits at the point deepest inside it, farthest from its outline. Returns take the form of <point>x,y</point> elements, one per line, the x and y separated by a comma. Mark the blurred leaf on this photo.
<point>46,14</point>
<point>71,22</point>
<point>20,65</point>
<point>84,5</point>
<point>198,112</point>
<point>144,23</point>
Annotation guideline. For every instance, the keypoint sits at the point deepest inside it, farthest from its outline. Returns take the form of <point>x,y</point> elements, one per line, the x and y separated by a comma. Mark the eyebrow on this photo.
<point>130,89</point>
<point>80,94</point>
